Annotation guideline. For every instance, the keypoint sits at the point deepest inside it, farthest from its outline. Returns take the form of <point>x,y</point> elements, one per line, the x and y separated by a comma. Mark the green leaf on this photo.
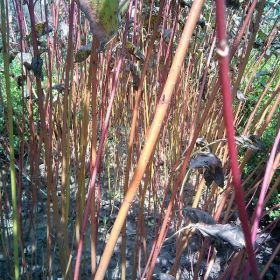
<point>102,16</point>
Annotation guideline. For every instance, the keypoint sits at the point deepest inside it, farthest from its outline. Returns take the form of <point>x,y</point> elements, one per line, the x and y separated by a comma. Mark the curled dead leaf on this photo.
<point>201,142</point>
<point>252,142</point>
<point>212,164</point>
<point>83,53</point>
<point>166,276</point>
<point>240,96</point>
<point>37,67</point>
<point>228,233</point>
<point>198,216</point>
<point>135,51</point>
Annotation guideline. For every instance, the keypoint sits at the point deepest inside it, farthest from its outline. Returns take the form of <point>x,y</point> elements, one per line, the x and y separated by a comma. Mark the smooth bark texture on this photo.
<point>223,52</point>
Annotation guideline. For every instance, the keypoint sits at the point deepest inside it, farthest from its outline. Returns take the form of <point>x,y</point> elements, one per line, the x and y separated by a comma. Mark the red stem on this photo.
<point>94,173</point>
<point>223,51</point>
<point>267,179</point>
<point>104,134</point>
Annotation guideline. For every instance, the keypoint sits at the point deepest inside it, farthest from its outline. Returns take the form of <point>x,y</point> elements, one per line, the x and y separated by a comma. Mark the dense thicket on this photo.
<point>112,133</point>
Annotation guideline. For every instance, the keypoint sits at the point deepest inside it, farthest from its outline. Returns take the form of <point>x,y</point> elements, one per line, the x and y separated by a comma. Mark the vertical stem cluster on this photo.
<point>152,137</point>
<point>5,41</point>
